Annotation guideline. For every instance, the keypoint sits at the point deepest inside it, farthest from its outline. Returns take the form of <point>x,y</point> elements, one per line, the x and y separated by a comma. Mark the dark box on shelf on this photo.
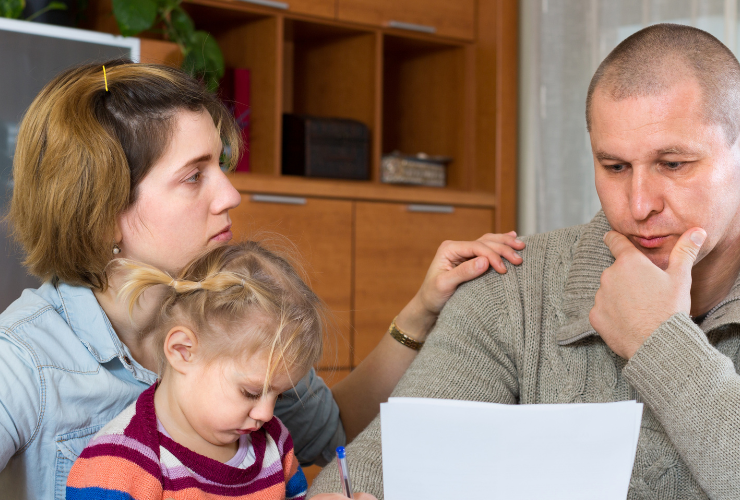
<point>325,147</point>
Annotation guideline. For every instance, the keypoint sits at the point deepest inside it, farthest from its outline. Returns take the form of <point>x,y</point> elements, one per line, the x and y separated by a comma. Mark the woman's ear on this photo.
<point>180,348</point>
<point>117,234</point>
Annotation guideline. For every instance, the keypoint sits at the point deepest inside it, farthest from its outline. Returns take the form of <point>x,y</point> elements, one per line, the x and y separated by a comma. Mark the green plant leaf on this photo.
<point>12,8</point>
<point>49,6</point>
<point>204,59</point>
<point>182,26</point>
<point>164,5</point>
<point>134,16</point>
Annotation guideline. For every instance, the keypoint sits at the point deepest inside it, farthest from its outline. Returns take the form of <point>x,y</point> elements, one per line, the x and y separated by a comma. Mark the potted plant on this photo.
<point>202,56</point>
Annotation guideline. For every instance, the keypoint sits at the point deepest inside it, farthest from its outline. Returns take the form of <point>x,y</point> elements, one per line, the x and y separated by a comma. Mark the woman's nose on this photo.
<point>226,196</point>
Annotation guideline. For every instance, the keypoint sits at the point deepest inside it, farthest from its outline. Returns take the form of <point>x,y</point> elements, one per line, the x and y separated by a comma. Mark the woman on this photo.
<point>133,171</point>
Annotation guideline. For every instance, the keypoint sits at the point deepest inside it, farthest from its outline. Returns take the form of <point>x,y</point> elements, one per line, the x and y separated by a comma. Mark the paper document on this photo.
<point>436,449</point>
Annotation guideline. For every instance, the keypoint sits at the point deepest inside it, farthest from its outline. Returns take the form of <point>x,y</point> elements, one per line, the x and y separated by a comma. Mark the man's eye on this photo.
<point>673,165</point>
<point>615,168</point>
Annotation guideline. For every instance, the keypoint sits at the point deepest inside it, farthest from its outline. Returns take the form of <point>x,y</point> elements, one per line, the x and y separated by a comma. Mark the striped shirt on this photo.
<point>131,459</point>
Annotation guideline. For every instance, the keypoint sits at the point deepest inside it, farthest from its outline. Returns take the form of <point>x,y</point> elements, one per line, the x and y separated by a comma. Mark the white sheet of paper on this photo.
<point>436,449</point>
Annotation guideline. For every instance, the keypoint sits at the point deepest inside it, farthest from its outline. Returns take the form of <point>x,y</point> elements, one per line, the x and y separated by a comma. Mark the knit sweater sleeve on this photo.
<point>111,474</point>
<point>114,466</point>
<point>296,484</point>
<point>694,390</point>
<point>468,356</point>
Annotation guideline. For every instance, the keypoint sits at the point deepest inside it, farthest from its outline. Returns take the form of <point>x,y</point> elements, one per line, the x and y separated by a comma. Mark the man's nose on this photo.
<point>645,195</point>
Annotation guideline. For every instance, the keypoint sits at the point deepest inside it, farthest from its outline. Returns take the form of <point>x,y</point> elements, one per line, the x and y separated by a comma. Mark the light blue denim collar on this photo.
<point>82,312</point>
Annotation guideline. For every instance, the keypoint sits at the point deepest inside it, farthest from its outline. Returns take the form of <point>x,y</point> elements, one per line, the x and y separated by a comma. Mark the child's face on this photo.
<point>226,398</point>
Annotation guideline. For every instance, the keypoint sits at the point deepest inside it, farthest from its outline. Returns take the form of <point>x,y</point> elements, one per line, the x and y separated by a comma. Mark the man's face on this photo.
<point>661,169</point>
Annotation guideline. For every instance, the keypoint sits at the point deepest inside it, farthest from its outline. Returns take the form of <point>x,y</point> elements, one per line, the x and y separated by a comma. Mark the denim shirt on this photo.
<point>64,374</point>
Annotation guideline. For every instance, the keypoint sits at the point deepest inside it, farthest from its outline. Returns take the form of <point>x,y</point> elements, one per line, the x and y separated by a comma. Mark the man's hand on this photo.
<point>636,296</point>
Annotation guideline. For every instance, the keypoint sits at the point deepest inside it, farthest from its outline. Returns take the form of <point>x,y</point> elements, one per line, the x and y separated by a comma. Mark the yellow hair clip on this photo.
<point>106,79</point>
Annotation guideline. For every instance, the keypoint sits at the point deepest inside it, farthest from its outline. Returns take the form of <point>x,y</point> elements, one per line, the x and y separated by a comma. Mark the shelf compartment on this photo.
<point>424,101</point>
<point>333,71</point>
<point>251,40</point>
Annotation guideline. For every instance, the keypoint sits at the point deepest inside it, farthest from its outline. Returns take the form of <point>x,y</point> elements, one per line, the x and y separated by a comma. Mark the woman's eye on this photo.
<point>193,178</point>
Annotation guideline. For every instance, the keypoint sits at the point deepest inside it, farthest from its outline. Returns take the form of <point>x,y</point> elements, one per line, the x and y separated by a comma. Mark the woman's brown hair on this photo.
<point>82,151</point>
<point>238,299</point>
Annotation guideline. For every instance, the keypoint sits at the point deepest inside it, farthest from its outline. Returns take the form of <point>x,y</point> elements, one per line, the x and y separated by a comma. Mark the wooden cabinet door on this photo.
<point>320,8</point>
<point>394,247</point>
<point>321,231</point>
<point>443,17</point>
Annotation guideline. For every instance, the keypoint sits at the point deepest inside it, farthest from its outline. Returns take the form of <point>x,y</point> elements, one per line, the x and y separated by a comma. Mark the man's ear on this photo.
<point>180,348</point>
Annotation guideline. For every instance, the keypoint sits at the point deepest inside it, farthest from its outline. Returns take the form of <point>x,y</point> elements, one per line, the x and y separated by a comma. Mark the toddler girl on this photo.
<point>236,328</point>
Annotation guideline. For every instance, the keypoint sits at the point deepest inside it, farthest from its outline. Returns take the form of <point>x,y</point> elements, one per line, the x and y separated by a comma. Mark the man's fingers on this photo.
<point>618,243</point>
<point>687,248</point>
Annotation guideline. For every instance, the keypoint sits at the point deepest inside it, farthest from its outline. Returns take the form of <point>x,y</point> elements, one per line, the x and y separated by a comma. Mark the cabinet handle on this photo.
<point>285,200</point>
<point>432,209</point>
<point>412,27</point>
<point>269,3</point>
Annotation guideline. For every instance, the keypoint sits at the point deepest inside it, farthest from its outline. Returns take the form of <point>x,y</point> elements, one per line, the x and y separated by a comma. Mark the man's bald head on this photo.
<point>649,62</point>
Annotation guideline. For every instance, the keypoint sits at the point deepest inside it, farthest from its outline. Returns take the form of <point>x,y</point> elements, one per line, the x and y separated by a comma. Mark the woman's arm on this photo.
<point>359,395</point>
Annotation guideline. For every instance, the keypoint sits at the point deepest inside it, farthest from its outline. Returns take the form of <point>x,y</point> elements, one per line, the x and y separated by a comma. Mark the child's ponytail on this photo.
<point>140,277</point>
<point>227,289</point>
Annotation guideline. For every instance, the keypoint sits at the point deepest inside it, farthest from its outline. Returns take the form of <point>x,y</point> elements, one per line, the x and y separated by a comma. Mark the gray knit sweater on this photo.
<point>524,337</point>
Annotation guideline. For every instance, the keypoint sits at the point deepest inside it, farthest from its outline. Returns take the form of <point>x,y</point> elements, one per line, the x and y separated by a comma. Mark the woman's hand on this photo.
<point>455,262</point>
<point>337,496</point>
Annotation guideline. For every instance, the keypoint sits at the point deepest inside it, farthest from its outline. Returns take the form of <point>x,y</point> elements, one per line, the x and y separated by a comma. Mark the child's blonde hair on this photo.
<point>228,290</point>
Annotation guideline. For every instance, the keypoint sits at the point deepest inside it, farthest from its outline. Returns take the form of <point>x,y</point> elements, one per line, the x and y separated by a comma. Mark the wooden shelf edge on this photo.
<point>358,190</point>
<point>250,8</point>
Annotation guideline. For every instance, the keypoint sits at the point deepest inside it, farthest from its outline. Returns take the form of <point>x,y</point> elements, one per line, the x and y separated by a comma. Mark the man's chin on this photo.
<point>660,259</point>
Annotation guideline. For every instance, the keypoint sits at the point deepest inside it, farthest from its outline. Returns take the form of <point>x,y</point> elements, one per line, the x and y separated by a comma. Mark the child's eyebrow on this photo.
<point>252,382</point>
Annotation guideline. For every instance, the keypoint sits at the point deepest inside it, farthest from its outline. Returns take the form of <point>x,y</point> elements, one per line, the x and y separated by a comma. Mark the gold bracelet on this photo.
<point>404,339</point>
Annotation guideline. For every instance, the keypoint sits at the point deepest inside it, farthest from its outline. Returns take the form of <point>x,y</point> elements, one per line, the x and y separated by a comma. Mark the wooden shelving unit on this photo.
<point>449,93</point>
<point>366,245</point>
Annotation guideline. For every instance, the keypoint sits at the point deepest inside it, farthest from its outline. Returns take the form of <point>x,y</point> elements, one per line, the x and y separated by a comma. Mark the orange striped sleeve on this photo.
<point>114,473</point>
<point>274,492</point>
<point>290,465</point>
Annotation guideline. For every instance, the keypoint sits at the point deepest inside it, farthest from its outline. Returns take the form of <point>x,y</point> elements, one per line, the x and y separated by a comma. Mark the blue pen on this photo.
<point>344,472</point>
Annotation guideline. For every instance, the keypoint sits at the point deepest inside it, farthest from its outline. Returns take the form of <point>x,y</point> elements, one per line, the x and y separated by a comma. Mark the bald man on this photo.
<point>641,303</point>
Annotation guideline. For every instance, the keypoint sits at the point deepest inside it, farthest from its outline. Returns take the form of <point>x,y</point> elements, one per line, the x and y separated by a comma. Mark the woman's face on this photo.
<point>183,202</point>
